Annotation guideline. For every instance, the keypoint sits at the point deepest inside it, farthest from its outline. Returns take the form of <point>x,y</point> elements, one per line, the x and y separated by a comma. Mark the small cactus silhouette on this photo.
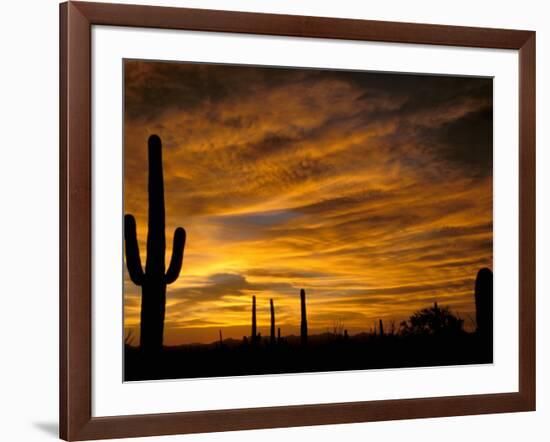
<point>272,309</point>
<point>484,302</point>
<point>154,279</point>
<point>303,324</point>
<point>253,335</point>
<point>381,327</point>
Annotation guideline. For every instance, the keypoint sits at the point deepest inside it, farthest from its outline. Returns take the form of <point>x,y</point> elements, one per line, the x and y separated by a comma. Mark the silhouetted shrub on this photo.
<point>432,321</point>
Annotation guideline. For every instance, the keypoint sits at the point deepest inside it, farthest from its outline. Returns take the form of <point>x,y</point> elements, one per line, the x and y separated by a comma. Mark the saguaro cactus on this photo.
<point>272,308</point>
<point>484,302</point>
<point>303,324</point>
<point>254,334</point>
<point>154,279</point>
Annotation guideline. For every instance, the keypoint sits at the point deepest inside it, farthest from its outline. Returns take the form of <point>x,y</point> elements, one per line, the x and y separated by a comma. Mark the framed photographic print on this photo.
<point>272,220</point>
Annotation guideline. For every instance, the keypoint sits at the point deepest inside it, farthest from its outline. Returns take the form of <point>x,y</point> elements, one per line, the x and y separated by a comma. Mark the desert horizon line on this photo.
<point>338,326</point>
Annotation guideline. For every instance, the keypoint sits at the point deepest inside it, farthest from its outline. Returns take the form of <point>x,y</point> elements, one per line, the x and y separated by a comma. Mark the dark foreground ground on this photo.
<point>322,353</point>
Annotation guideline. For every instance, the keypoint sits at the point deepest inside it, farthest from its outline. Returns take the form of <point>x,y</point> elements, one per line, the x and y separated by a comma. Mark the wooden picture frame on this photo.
<point>76,21</point>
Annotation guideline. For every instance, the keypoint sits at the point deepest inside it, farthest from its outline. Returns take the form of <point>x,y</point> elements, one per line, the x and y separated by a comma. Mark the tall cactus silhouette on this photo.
<point>272,309</point>
<point>154,279</point>
<point>254,334</point>
<point>381,327</point>
<point>484,302</point>
<point>303,324</point>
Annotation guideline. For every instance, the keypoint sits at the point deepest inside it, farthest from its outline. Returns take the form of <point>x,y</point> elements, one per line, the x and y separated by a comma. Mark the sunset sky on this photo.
<point>372,191</point>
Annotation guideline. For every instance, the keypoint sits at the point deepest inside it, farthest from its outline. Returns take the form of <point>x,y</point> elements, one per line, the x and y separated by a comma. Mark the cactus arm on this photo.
<point>177,256</point>
<point>133,261</point>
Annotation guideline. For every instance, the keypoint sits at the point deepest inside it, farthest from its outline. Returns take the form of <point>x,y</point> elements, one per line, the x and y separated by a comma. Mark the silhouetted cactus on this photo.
<point>484,302</point>
<point>153,280</point>
<point>272,309</point>
<point>303,324</point>
<point>381,327</point>
<point>278,334</point>
<point>253,335</point>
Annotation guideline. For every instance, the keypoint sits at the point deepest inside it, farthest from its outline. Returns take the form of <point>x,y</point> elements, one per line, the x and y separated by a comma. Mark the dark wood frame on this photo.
<point>76,421</point>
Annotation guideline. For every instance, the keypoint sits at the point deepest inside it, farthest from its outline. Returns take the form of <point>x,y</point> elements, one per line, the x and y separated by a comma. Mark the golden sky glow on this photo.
<point>372,191</point>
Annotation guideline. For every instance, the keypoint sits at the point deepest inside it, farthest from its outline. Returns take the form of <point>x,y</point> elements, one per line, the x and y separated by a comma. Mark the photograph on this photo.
<point>286,220</point>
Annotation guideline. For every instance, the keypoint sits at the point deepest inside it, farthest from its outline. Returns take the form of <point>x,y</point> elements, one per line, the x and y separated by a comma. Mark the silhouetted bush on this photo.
<point>432,321</point>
